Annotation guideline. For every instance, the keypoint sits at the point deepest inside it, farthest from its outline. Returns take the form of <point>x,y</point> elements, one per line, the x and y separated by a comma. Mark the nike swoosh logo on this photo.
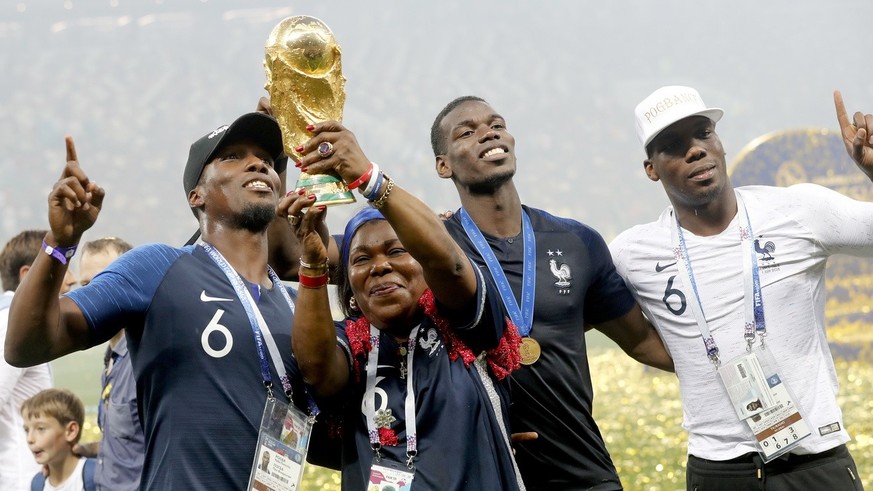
<point>659,268</point>
<point>206,298</point>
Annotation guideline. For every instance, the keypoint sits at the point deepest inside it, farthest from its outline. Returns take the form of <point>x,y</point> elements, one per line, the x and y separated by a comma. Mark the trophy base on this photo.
<point>328,190</point>
<point>334,199</point>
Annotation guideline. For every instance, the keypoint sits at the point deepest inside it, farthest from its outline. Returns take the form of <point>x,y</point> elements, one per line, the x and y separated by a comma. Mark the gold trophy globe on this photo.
<point>306,86</point>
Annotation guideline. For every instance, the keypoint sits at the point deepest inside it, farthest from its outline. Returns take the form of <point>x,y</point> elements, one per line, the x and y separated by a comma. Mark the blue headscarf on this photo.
<point>367,214</point>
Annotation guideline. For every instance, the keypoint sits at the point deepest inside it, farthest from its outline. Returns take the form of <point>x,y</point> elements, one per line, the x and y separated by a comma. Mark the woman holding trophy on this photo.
<point>414,370</point>
<point>416,365</point>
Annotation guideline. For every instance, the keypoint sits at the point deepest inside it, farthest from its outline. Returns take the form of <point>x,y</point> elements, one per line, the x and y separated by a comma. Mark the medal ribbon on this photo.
<point>261,331</point>
<point>753,297</point>
<point>521,317</point>
<point>409,401</point>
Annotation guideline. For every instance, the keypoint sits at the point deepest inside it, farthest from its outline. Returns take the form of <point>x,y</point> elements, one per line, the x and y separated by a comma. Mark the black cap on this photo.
<point>261,128</point>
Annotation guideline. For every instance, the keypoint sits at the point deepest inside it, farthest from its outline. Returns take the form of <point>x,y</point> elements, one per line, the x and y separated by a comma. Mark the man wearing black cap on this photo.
<point>201,353</point>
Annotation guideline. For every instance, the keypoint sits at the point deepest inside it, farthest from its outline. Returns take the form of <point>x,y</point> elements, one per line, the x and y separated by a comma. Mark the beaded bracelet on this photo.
<point>379,203</point>
<point>312,281</point>
<point>363,178</point>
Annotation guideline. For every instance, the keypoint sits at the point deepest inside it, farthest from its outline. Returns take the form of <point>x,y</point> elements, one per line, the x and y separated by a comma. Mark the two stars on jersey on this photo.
<point>561,273</point>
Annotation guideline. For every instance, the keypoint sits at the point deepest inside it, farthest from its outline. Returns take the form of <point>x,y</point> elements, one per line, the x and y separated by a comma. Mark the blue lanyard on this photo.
<point>261,344</point>
<point>753,293</point>
<point>696,306</point>
<point>752,283</point>
<point>521,317</point>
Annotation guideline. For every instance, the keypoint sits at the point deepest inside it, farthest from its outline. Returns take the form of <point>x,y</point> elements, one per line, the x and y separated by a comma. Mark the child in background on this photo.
<point>53,421</point>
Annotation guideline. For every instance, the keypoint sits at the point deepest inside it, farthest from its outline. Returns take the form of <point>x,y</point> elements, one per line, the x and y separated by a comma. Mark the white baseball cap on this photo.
<point>667,105</point>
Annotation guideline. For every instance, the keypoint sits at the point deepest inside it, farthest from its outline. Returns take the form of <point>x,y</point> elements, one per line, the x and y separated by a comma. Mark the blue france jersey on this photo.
<point>194,358</point>
<point>576,283</point>
<point>461,445</point>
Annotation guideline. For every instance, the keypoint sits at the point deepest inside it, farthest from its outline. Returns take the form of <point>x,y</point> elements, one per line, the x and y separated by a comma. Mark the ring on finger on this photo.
<point>294,220</point>
<point>325,149</point>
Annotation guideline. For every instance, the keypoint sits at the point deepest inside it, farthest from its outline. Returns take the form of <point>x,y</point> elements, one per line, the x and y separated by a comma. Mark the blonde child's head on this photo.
<point>60,404</point>
<point>53,421</point>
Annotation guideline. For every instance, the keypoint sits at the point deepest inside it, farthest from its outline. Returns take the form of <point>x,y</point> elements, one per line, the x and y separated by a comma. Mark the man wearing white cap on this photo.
<point>721,271</point>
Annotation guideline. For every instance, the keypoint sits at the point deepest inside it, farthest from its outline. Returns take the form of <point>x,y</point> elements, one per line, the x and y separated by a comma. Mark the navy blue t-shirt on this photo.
<point>554,396</point>
<point>194,358</point>
<point>460,442</point>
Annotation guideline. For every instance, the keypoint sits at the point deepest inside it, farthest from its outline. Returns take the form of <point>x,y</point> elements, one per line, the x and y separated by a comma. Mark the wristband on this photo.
<point>374,176</point>
<point>364,177</point>
<point>312,281</point>
<point>372,191</point>
<point>62,254</point>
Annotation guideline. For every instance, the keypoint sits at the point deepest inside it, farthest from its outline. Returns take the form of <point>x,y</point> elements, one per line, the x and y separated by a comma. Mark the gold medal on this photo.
<point>529,351</point>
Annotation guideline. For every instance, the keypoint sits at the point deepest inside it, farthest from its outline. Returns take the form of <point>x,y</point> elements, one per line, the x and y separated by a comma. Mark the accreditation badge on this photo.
<point>385,475</point>
<point>283,441</point>
<point>765,404</point>
<point>746,385</point>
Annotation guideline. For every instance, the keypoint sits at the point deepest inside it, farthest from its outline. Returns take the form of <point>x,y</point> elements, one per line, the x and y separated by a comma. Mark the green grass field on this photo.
<point>637,408</point>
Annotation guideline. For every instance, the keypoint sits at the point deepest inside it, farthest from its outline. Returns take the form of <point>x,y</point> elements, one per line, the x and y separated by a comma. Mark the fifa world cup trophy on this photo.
<point>306,86</point>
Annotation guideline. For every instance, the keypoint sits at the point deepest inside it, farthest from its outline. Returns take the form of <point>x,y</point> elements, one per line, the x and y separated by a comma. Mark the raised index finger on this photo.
<point>71,149</point>
<point>72,168</point>
<point>842,116</point>
<point>71,157</point>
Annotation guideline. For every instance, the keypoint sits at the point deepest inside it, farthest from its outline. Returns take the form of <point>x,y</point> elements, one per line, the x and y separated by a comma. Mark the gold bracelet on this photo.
<point>379,203</point>
<point>322,266</point>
